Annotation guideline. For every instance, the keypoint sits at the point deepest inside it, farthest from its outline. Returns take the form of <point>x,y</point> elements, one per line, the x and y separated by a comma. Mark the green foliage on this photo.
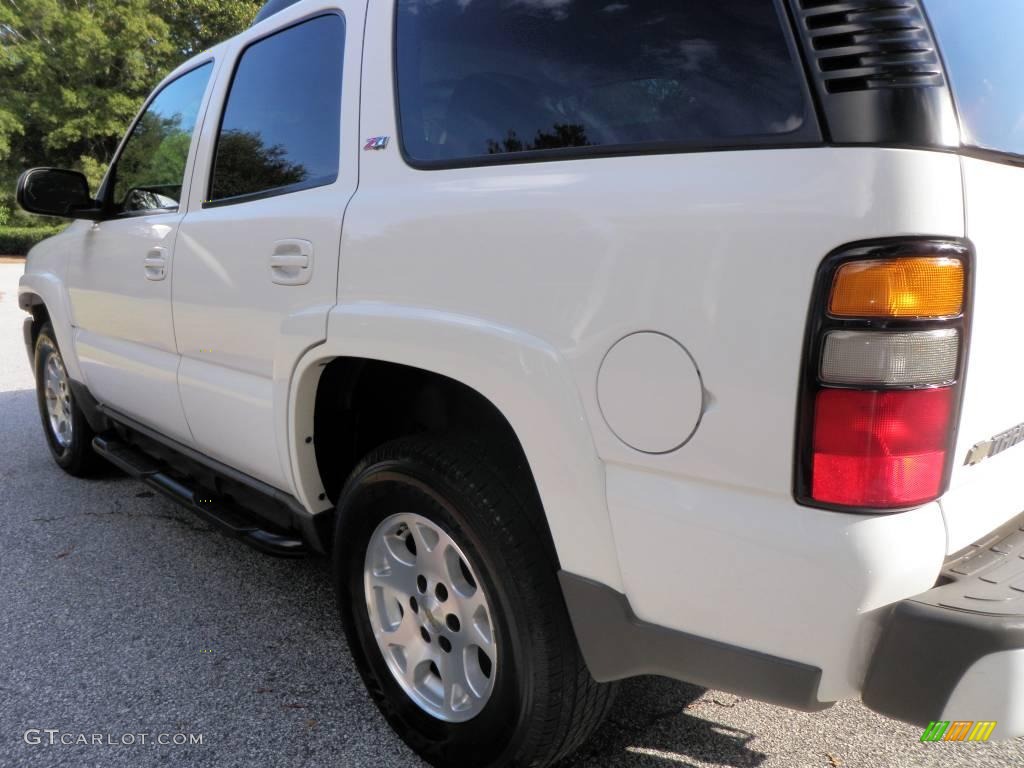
<point>155,155</point>
<point>16,241</point>
<point>5,215</point>
<point>169,161</point>
<point>93,170</point>
<point>199,24</point>
<point>20,219</point>
<point>242,156</point>
<point>73,73</point>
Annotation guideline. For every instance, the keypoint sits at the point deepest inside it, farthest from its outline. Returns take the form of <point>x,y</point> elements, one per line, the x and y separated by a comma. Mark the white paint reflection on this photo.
<point>511,183</point>
<point>208,259</point>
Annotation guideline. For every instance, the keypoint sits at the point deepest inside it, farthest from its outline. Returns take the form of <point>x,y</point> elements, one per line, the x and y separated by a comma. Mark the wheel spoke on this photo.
<point>453,675</point>
<point>484,630</point>
<point>407,634</point>
<point>429,547</point>
<point>416,654</point>
<point>394,573</point>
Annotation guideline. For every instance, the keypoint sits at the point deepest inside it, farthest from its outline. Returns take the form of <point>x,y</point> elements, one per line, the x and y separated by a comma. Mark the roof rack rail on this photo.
<point>272,7</point>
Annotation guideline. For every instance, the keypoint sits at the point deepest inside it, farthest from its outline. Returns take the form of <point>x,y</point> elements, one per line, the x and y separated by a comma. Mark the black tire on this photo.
<point>544,702</point>
<point>77,456</point>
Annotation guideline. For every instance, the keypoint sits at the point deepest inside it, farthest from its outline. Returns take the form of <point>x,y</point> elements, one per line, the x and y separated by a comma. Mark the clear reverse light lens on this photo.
<point>900,358</point>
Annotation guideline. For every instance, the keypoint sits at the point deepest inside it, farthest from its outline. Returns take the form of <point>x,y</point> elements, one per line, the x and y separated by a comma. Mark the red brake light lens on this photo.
<point>881,449</point>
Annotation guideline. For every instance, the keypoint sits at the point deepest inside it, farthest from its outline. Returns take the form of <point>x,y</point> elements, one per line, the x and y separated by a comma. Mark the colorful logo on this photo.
<point>959,730</point>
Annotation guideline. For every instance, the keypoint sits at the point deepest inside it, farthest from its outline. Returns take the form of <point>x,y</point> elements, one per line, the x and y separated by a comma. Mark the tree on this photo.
<point>73,73</point>
<point>244,163</point>
<point>562,135</point>
<point>196,25</point>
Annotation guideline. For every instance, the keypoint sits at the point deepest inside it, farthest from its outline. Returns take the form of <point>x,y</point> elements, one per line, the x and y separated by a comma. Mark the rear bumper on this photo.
<point>956,652</point>
<point>759,572</point>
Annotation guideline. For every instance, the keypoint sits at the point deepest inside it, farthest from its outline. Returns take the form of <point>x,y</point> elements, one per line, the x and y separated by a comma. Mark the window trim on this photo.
<point>106,191</point>
<point>808,135</point>
<point>300,186</point>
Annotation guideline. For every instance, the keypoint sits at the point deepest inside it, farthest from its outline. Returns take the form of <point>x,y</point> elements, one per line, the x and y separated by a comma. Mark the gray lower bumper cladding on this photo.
<point>616,645</point>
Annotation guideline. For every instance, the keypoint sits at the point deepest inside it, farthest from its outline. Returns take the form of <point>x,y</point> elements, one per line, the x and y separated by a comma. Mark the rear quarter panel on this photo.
<point>719,251</point>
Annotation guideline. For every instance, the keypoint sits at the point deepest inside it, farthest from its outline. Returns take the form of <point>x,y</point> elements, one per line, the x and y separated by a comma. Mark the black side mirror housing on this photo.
<point>56,192</point>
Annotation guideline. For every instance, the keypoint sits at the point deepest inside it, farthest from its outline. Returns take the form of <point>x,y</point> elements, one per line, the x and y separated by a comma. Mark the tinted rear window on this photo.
<point>982,44</point>
<point>485,78</point>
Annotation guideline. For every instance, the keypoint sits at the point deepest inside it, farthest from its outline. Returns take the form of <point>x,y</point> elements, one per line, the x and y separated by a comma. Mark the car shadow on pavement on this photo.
<point>278,651</point>
<point>655,722</point>
<point>20,419</point>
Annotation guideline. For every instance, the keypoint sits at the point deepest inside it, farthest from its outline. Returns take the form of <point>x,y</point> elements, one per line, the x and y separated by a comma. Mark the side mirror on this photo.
<point>55,192</point>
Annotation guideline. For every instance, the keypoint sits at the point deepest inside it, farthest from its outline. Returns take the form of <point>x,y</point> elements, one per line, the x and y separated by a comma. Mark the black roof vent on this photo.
<point>878,71</point>
<point>272,7</point>
<point>881,44</point>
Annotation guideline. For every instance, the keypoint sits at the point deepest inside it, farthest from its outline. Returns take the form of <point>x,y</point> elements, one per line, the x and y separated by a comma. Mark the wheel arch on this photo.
<point>34,305</point>
<point>448,371</point>
<point>41,294</point>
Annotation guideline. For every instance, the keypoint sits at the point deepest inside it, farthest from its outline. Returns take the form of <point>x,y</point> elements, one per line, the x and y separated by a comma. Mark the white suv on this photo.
<point>591,339</point>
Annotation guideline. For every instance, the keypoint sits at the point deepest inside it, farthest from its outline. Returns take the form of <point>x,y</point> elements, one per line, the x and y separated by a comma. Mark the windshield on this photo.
<point>982,44</point>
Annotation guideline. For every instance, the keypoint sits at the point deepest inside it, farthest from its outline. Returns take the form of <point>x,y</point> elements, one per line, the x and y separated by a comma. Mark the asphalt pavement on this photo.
<point>126,621</point>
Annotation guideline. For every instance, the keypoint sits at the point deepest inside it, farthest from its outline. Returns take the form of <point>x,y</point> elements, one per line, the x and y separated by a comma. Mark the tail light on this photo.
<point>883,367</point>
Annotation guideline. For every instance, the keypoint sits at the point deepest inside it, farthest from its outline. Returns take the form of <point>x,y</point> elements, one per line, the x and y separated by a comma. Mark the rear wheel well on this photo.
<point>362,404</point>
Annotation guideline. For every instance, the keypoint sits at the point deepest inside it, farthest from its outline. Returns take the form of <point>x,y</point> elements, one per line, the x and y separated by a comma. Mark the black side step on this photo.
<point>230,518</point>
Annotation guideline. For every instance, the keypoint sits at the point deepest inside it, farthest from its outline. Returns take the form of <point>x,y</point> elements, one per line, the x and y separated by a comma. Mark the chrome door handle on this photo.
<point>291,262</point>
<point>155,264</point>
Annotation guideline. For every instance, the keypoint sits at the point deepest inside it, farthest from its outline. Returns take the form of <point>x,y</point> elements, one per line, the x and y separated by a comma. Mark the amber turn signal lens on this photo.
<point>915,286</point>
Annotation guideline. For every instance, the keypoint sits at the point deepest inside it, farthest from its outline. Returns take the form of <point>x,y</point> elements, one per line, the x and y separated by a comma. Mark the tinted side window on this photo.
<point>281,127</point>
<point>981,45</point>
<point>150,170</point>
<point>492,77</point>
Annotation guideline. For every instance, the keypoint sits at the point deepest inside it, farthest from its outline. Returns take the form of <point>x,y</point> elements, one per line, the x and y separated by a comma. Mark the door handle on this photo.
<point>155,264</point>
<point>291,262</point>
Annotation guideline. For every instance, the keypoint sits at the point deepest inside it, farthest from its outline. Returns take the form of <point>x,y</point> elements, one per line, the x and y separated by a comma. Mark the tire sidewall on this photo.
<point>371,496</point>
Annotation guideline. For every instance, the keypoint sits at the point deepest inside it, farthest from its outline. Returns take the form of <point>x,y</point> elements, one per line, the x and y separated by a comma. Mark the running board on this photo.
<point>228,517</point>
